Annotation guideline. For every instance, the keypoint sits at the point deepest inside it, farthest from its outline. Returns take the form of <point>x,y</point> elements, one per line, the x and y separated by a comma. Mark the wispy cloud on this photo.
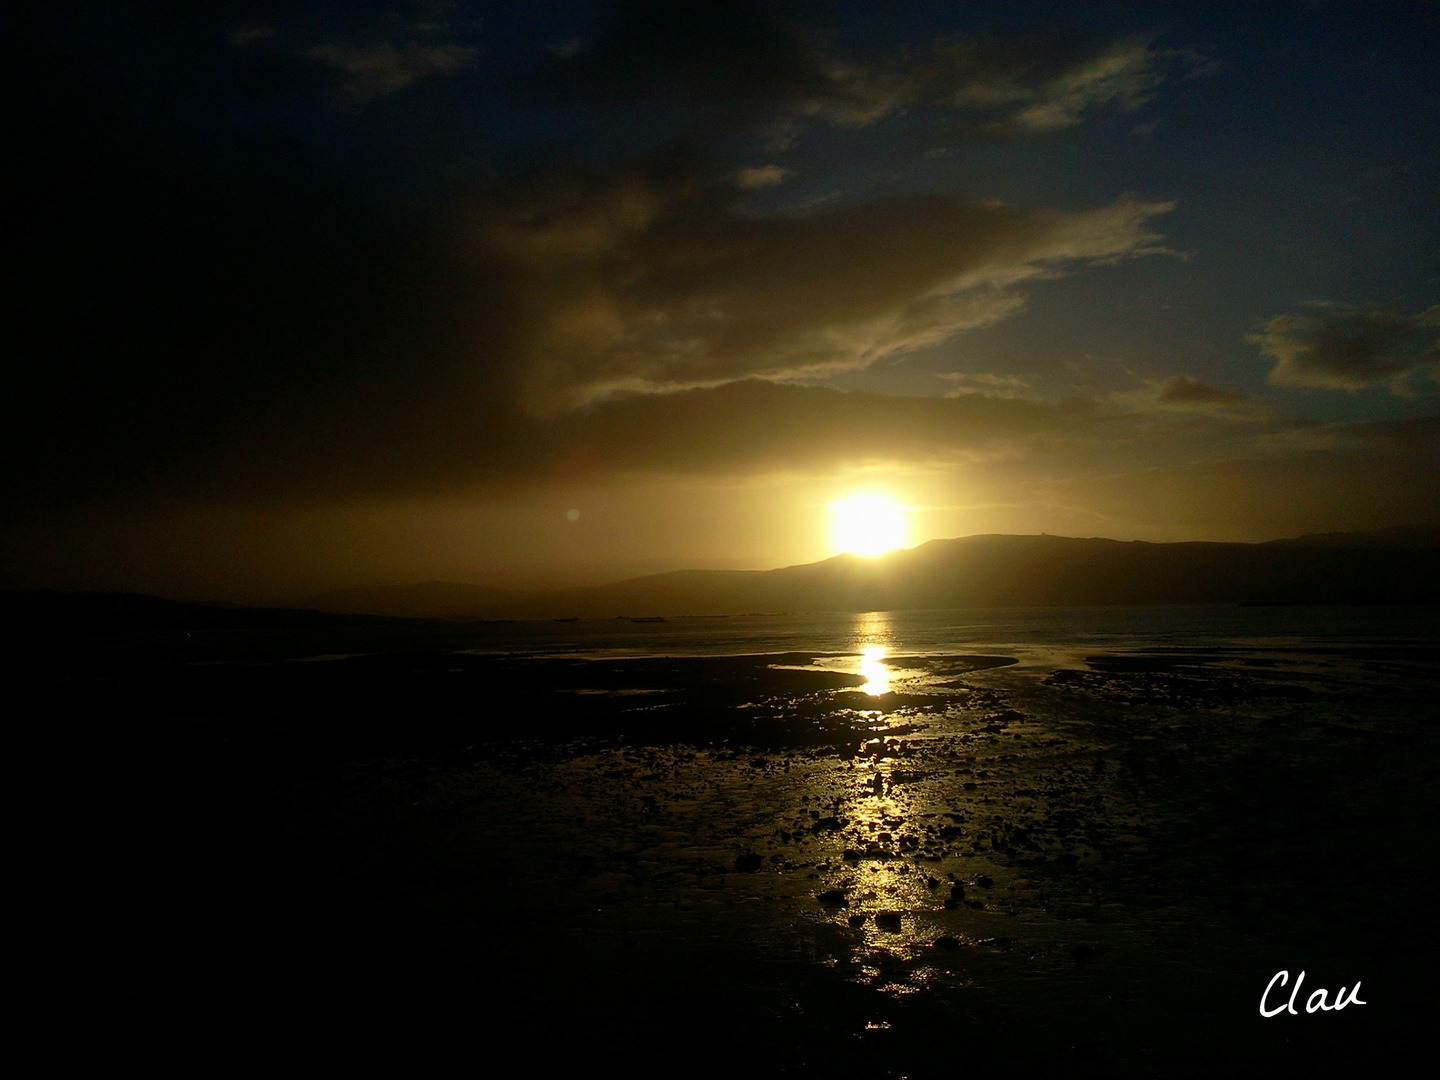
<point>968,383</point>
<point>368,72</point>
<point>646,283</point>
<point>752,64</point>
<point>1183,395</point>
<point>761,176</point>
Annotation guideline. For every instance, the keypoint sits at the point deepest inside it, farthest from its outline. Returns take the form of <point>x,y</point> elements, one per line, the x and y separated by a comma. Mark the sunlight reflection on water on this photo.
<point>872,667</point>
<point>874,636</point>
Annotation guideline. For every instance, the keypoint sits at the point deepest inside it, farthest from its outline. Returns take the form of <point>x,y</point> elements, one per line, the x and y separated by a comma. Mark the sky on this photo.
<point>319,295</point>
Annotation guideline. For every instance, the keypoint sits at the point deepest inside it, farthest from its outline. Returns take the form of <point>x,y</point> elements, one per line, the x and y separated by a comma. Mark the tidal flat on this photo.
<point>849,862</point>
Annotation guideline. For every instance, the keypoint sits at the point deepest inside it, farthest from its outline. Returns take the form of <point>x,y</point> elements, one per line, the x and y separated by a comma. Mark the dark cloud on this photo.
<point>380,69</point>
<point>1418,434</point>
<point>648,280</point>
<point>1339,347</point>
<point>1184,391</point>
<point>765,63</point>
<point>276,333</point>
<point>198,324</point>
<point>232,291</point>
<point>214,312</point>
<point>1025,84</point>
<point>749,57</point>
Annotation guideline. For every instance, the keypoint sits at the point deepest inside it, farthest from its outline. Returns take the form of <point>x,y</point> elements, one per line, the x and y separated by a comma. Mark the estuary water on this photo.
<point>919,843</point>
<point>935,632</point>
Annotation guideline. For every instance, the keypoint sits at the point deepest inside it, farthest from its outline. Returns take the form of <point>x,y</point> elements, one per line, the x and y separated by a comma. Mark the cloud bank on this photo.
<point>1340,347</point>
<point>374,71</point>
<point>649,281</point>
<point>765,65</point>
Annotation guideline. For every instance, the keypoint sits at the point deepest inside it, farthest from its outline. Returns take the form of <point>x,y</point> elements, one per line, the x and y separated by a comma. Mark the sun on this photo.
<point>868,525</point>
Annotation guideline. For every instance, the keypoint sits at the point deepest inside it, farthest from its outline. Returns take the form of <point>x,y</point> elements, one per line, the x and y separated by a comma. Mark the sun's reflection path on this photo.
<point>872,667</point>
<point>897,852</point>
<point>874,636</point>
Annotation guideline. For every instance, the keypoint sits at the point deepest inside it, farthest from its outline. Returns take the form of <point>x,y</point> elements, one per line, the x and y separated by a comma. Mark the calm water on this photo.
<point>1023,630</point>
<point>1047,868</point>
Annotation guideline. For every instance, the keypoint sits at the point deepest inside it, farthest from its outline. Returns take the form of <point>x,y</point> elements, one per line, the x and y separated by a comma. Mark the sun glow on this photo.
<point>868,525</point>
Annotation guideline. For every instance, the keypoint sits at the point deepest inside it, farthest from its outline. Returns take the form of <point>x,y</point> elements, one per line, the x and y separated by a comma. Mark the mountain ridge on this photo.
<point>1001,570</point>
<point>1397,565</point>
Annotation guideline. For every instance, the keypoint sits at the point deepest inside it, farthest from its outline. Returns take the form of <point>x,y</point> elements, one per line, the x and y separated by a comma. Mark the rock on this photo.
<point>947,942</point>
<point>833,898</point>
<point>889,920</point>
<point>858,920</point>
<point>985,882</point>
<point>748,862</point>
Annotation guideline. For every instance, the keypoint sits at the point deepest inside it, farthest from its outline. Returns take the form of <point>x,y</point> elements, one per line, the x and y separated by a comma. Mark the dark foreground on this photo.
<point>722,866</point>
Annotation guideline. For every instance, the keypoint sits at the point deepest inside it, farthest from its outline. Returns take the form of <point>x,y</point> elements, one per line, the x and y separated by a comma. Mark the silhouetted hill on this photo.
<point>1403,537</point>
<point>99,612</point>
<point>423,600</point>
<point>1396,566</point>
<point>1387,566</point>
<point>59,632</point>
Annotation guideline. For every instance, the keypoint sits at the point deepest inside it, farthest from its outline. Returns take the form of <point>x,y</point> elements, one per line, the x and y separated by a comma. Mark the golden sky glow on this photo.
<point>677,295</point>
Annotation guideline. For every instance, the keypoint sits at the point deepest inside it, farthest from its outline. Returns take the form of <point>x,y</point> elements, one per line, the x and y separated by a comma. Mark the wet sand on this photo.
<point>721,864</point>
